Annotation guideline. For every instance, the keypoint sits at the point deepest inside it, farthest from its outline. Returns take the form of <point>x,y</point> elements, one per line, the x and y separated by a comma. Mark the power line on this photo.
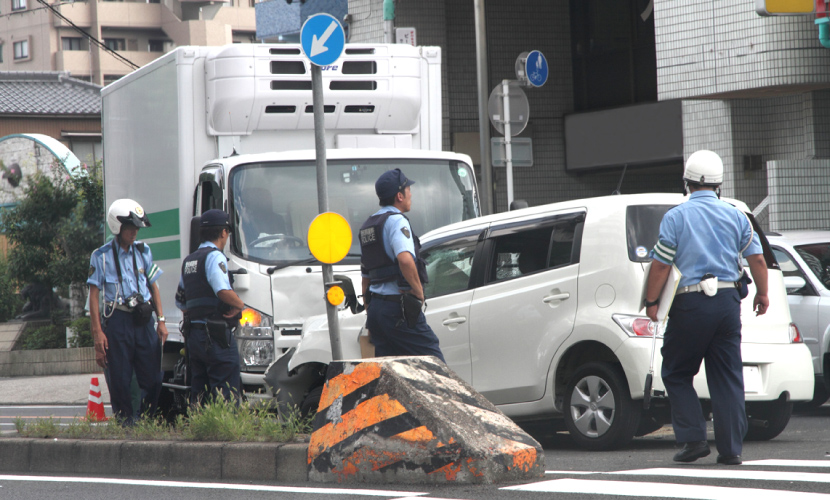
<point>90,37</point>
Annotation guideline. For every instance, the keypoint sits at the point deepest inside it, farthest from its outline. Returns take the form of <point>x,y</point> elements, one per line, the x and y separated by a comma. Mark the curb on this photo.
<point>158,459</point>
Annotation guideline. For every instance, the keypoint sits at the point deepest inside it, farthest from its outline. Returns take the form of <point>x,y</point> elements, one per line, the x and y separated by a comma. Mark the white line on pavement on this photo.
<point>790,463</point>
<point>758,475</point>
<point>662,490</point>
<point>217,486</point>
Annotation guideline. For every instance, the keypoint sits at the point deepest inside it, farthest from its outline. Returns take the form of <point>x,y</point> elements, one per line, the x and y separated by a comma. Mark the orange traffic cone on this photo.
<point>95,406</point>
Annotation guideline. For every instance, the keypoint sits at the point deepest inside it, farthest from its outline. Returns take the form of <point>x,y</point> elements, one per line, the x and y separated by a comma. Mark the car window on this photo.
<point>449,266</point>
<point>788,267</point>
<point>523,251</point>
<point>642,224</point>
<point>817,257</point>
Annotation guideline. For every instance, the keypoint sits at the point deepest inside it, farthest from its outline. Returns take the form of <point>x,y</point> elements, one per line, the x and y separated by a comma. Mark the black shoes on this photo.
<point>729,460</point>
<point>694,450</point>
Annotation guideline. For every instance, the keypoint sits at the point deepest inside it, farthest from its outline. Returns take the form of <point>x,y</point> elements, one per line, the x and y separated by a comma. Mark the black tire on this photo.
<point>599,411</point>
<point>820,396</point>
<point>768,419</point>
<point>311,401</point>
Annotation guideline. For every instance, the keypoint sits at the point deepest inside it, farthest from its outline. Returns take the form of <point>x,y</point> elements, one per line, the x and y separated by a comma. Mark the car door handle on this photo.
<point>457,320</point>
<point>556,296</point>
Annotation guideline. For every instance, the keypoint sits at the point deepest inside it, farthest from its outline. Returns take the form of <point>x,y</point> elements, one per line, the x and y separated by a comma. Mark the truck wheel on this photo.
<point>767,419</point>
<point>820,396</point>
<point>599,412</point>
<point>311,401</point>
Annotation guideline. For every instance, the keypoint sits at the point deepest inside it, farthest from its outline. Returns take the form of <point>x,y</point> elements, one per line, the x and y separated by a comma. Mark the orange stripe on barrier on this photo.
<point>344,384</point>
<point>450,471</point>
<point>376,459</point>
<point>524,456</point>
<point>417,435</point>
<point>366,414</point>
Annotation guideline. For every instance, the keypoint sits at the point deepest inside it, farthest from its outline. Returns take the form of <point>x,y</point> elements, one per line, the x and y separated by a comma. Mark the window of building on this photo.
<point>21,50</point>
<point>1,52</point>
<point>155,46</point>
<point>115,43</point>
<point>111,78</point>
<point>613,53</point>
<point>71,43</point>
<point>18,4</point>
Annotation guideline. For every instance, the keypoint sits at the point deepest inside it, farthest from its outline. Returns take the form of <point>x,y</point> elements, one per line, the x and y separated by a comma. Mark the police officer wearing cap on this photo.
<point>125,340</point>
<point>705,238</point>
<point>211,310</point>
<point>393,274</point>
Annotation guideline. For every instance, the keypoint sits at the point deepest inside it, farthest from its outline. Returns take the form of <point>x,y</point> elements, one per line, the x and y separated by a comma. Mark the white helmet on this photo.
<point>126,211</point>
<point>704,167</point>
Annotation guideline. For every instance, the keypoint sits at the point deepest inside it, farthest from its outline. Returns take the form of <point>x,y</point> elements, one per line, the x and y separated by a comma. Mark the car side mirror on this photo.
<point>794,283</point>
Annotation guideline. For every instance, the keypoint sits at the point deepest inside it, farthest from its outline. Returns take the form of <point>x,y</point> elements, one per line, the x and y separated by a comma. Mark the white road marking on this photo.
<point>662,490</point>
<point>571,472</point>
<point>216,486</point>
<point>790,463</point>
<point>758,475</point>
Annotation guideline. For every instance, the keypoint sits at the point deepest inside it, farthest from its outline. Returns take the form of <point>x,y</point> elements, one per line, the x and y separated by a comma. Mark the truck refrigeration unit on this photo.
<point>232,127</point>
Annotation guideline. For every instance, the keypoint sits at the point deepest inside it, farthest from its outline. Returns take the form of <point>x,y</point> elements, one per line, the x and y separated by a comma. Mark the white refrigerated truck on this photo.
<point>232,127</point>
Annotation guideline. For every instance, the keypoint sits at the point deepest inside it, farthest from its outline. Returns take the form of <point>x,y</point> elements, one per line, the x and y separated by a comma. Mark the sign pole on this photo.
<point>323,41</point>
<point>508,146</point>
<point>323,197</point>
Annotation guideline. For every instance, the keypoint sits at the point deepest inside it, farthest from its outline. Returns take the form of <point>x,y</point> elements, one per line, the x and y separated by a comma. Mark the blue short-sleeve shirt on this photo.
<point>104,275</point>
<point>705,235</point>
<point>397,238</point>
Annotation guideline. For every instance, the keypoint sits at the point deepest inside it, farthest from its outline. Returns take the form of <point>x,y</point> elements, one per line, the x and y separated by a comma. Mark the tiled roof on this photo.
<point>47,93</point>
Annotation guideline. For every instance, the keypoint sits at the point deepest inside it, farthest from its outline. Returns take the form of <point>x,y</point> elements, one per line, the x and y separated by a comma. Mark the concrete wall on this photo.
<point>48,362</point>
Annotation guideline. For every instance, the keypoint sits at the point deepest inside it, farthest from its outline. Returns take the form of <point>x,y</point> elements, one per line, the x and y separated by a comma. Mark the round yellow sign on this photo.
<point>329,238</point>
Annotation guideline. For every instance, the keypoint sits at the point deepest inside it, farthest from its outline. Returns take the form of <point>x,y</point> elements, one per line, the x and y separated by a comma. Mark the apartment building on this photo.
<point>48,35</point>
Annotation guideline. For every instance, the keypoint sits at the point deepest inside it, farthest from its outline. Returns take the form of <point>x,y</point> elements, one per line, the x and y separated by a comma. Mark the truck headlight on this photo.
<point>255,340</point>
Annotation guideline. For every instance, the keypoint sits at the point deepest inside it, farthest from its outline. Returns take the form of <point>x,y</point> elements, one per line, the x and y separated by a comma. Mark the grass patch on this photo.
<point>217,420</point>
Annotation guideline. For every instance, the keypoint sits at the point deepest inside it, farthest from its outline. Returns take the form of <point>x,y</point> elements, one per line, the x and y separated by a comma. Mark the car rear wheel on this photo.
<point>768,419</point>
<point>599,412</point>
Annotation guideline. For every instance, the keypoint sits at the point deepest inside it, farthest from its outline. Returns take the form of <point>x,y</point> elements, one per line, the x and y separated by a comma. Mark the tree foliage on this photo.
<point>55,227</point>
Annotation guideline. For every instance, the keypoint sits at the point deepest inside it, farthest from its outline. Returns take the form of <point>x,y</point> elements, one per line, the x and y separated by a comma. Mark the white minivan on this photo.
<point>540,309</point>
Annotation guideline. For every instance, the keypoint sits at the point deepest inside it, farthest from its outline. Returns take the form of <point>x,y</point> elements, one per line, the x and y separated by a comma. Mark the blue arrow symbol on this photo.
<point>318,46</point>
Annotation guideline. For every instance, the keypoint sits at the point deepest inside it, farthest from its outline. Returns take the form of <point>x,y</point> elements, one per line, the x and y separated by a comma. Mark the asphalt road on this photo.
<point>794,466</point>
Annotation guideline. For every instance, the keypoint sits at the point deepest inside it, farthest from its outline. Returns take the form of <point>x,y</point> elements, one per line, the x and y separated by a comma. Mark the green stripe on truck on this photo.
<point>165,250</point>
<point>164,223</point>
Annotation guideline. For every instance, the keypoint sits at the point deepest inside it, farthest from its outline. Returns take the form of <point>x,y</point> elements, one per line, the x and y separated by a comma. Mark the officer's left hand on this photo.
<point>233,312</point>
<point>760,304</point>
<point>651,312</point>
<point>161,329</point>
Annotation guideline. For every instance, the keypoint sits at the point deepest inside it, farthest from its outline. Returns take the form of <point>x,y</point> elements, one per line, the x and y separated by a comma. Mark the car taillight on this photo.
<point>795,335</point>
<point>635,326</point>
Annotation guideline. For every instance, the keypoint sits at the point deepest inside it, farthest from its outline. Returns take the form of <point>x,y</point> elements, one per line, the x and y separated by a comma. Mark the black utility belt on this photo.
<point>390,298</point>
<point>120,307</point>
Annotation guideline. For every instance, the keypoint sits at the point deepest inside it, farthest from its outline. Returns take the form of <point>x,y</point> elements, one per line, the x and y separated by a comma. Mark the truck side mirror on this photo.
<point>348,289</point>
<point>195,222</point>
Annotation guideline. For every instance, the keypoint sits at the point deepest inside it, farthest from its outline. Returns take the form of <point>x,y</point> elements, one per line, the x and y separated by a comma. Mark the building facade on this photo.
<point>672,76</point>
<point>35,36</point>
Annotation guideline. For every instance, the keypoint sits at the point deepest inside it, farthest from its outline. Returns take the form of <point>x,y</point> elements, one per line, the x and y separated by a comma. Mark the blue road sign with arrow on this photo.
<point>322,39</point>
<point>536,68</point>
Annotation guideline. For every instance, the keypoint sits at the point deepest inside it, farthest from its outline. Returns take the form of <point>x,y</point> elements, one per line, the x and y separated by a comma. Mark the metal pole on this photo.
<point>486,190</point>
<point>508,143</point>
<point>323,198</point>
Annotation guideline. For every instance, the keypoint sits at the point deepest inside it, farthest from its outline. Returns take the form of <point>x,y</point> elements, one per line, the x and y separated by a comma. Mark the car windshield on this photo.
<point>273,203</point>
<point>817,257</point>
<point>642,223</point>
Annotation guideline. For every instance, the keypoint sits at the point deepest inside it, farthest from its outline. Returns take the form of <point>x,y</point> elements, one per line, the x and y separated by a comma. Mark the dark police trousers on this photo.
<point>214,370</point>
<point>706,328</point>
<point>392,337</point>
<point>132,347</point>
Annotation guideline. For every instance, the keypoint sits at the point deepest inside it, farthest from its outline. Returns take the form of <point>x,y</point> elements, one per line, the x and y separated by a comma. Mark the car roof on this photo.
<point>803,237</point>
<point>601,204</point>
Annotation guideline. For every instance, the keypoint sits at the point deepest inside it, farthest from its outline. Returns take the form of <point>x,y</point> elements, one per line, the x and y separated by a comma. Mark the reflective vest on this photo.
<point>201,300</point>
<point>375,262</point>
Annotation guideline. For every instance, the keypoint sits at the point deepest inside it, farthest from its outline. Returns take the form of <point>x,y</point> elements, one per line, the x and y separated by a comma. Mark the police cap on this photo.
<point>215,217</point>
<point>391,183</point>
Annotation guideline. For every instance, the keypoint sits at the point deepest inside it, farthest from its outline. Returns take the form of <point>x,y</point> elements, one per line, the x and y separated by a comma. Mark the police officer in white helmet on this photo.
<point>705,238</point>
<point>122,328</point>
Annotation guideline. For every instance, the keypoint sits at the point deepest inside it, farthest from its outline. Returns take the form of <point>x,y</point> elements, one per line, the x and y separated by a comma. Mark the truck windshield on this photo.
<point>273,203</point>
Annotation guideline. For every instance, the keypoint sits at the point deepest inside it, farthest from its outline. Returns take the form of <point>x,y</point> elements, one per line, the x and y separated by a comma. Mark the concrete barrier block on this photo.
<point>412,420</point>
<point>52,455</point>
<point>97,457</point>
<point>146,458</point>
<point>14,454</point>
<point>291,462</point>
<point>196,460</point>
<point>250,461</point>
